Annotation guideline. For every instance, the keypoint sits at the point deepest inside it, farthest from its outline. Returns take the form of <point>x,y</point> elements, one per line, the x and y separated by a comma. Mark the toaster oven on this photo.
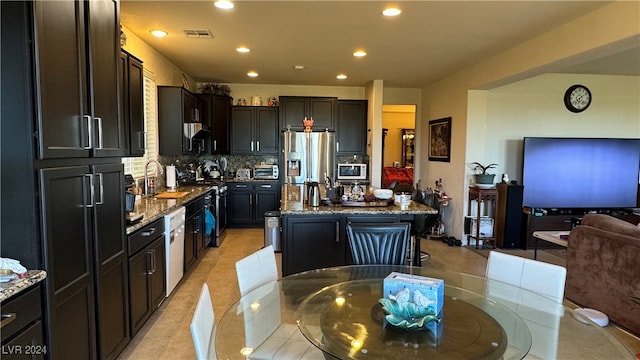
<point>265,172</point>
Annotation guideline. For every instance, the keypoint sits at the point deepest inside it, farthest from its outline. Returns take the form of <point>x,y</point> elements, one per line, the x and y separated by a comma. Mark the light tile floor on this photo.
<point>166,334</point>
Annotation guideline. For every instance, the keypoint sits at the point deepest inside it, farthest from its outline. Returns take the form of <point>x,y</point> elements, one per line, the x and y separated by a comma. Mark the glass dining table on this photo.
<point>333,313</point>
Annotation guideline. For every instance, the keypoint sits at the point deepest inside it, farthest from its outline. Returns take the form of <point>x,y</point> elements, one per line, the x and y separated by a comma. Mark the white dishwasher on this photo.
<point>174,247</point>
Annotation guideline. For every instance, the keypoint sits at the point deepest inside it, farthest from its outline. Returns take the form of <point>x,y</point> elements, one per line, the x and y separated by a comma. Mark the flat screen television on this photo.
<point>580,173</point>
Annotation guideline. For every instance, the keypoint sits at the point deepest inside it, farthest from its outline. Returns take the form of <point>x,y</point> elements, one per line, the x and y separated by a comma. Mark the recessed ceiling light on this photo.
<point>159,33</point>
<point>243,49</point>
<point>359,53</point>
<point>341,76</point>
<point>298,67</point>
<point>224,4</point>
<point>252,74</point>
<point>391,11</point>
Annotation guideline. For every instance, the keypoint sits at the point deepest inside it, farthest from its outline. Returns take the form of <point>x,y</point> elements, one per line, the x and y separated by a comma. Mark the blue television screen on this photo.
<point>580,173</point>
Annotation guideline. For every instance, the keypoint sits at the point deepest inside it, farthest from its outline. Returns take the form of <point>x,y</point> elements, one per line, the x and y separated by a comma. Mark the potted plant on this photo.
<point>482,176</point>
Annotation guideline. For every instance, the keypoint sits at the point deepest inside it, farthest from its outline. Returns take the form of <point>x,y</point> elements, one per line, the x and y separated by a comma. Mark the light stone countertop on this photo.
<point>153,208</point>
<point>293,204</point>
<point>15,286</point>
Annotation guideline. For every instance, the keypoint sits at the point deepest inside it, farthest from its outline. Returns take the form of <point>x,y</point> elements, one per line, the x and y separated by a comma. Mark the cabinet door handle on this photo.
<point>99,130</point>
<point>241,186</point>
<point>337,146</point>
<point>149,232</point>
<point>7,319</point>
<point>252,146</point>
<point>266,186</point>
<point>215,144</point>
<point>258,145</point>
<point>337,232</point>
<point>152,262</point>
<point>101,187</point>
<point>91,191</point>
<point>143,141</point>
<point>87,130</point>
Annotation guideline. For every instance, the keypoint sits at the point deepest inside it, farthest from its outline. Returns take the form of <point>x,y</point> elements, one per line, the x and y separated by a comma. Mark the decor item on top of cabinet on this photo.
<point>308,123</point>
<point>242,102</point>
<point>215,89</point>
<point>272,101</point>
<point>440,140</point>
<point>482,178</point>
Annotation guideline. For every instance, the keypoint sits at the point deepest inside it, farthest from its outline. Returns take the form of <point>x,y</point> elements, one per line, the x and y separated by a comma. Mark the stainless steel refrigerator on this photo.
<point>308,156</point>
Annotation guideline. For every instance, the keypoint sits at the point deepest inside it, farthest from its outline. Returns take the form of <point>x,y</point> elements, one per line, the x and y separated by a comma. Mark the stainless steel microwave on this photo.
<point>352,172</point>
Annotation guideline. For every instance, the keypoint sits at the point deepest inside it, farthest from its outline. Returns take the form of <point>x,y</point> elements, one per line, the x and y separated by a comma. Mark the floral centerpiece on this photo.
<point>215,89</point>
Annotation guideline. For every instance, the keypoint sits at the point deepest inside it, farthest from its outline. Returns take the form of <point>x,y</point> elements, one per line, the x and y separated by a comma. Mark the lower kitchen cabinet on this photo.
<point>194,236</point>
<point>316,242</point>
<point>22,332</point>
<point>248,201</point>
<point>146,273</point>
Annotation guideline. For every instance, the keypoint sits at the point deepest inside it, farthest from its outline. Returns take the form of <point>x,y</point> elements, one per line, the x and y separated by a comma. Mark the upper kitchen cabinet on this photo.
<point>293,109</point>
<point>254,130</point>
<point>181,129</point>
<point>132,103</point>
<point>76,52</point>
<point>219,116</point>
<point>351,127</point>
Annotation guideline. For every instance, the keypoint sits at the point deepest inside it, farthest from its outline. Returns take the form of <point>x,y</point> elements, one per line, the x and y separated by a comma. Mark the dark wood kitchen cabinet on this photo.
<point>146,272</point>
<point>132,103</point>
<point>178,107</point>
<point>218,113</point>
<point>254,130</point>
<point>65,211</point>
<point>25,329</point>
<point>194,236</point>
<point>351,127</point>
<point>77,50</point>
<point>318,240</point>
<point>293,109</point>
<point>85,258</point>
<point>248,201</point>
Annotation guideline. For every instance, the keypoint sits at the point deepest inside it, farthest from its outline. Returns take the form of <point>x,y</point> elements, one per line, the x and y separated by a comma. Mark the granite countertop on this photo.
<point>293,204</point>
<point>153,208</point>
<point>13,287</point>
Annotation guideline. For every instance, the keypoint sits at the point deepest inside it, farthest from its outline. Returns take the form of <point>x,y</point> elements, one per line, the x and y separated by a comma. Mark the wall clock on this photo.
<point>577,98</point>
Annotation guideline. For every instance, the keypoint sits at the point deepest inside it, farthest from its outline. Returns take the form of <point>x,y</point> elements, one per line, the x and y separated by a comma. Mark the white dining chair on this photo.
<point>202,327</point>
<point>536,276</point>
<point>256,269</point>
<point>547,280</point>
<point>265,333</point>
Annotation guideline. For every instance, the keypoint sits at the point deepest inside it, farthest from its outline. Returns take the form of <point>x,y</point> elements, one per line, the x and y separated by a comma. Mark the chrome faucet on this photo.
<point>146,175</point>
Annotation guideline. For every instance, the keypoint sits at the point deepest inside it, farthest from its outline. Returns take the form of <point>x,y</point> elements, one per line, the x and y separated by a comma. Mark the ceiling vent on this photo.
<point>198,33</point>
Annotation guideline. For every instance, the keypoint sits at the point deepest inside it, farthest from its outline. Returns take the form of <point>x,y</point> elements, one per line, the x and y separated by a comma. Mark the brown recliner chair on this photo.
<point>603,268</point>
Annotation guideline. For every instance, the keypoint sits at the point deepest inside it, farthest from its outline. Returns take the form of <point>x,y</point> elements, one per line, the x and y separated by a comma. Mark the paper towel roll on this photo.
<point>171,176</point>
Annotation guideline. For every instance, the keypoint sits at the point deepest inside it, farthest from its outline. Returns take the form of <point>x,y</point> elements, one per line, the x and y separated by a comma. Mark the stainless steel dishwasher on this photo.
<point>174,240</point>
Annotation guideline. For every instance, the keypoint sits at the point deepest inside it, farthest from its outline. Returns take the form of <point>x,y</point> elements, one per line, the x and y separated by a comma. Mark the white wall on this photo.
<point>483,123</point>
<point>535,107</point>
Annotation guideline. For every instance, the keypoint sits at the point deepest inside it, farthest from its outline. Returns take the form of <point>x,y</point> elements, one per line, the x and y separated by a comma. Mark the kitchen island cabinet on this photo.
<point>315,237</point>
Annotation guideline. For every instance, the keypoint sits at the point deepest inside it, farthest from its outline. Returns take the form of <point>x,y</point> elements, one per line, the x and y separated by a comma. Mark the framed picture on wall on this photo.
<point>440,140</point>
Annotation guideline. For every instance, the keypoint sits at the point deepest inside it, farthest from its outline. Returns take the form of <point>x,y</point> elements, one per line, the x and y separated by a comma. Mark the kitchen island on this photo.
<point>315,237</point>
